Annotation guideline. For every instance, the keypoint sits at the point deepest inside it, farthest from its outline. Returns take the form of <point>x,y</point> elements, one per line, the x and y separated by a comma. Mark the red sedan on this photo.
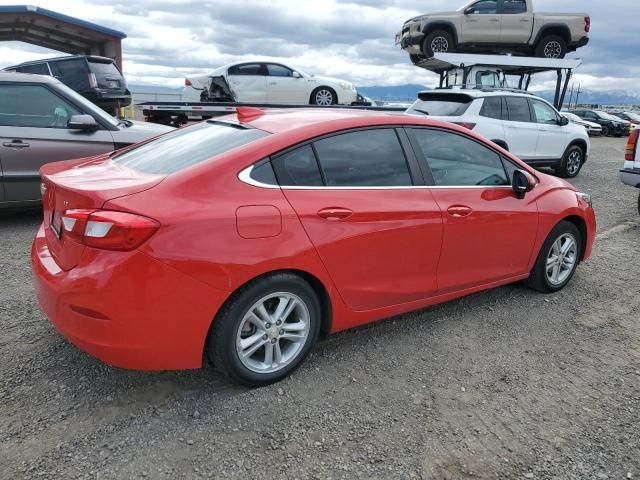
<point>245,238</point>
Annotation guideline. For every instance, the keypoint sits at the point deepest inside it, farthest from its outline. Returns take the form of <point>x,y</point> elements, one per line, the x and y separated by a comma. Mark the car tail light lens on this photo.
<point>107,229</point>
<point>187,82</point>
<point>468,125</point>
<point>632,145</point>
<point>587,26</point>
<point>93,83</point>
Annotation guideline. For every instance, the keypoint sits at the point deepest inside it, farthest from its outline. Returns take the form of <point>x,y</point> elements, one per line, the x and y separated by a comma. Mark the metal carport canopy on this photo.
<point>56,31</point>
<point>511,65</point>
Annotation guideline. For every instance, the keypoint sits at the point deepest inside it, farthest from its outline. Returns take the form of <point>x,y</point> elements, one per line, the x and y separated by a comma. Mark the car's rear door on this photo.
<point>283,87</point>
<point>489,233</point>
<point>33,131</point>
<point>377,232</point>
<point>521,131</point>
<point>482,23</point>
<point>516,23</point>
<point>249,82</point>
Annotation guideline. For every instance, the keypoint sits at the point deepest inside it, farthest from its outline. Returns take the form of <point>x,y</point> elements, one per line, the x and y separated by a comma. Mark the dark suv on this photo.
<point>610,124</point>
<point>95,78</point>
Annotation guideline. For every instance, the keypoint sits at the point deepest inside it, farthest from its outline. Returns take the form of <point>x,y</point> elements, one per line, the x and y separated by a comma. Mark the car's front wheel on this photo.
<point>558,259</point>
<point>438,41</point>
<point>572,162</point>
<point>265,330</point>
<point>324,96</point>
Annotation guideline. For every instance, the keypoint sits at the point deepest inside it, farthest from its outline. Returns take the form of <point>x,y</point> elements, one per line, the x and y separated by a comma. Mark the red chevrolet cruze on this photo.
<point>247,237</point>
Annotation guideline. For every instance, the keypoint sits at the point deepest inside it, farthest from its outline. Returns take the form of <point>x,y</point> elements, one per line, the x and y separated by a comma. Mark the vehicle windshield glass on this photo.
<point>440,108</point>
<point>87,105</point>
<point>633,116</point>
<point>184,148</point>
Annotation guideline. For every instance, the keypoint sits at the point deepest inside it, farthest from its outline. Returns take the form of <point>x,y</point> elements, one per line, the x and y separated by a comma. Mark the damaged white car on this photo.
<point>268,82</point>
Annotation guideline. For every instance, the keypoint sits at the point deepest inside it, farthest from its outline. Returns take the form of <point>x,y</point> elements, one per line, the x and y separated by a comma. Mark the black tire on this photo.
<point>551,46</point>
<point>221,343</point>
<point>321,92</point>
<point>606,131</point>
<point>570,168</point>
<point>438,41</point>
<point>638,203</point>
<point>539,279</point>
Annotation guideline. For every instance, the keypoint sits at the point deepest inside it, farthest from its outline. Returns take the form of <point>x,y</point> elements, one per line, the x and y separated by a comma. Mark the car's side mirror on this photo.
<point>469,11</point>
<point>563,121</point>
<point>82,122</point>
<point>522,183</point>
<point>297,75</point>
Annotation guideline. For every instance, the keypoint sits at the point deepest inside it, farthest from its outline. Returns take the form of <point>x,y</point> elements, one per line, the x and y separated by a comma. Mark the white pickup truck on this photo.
<point>495,26</point>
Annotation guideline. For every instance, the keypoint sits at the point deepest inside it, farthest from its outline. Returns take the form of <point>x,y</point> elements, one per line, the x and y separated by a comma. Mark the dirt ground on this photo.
<point>503,384</point>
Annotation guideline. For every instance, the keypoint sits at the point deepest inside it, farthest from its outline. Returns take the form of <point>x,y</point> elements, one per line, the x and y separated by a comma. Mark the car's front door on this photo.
<point>520,130</point>
<point>516,23</point>
<point>553,137</point>
<point>377,234</point>
<point>481,23</point>
<point>489,233</point>
<point>33,131</point>
<point>249,82</point>
<point>283,86</point>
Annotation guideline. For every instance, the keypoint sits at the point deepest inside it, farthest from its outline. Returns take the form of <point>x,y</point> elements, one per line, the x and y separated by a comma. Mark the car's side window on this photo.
<point>492,108</point>
<point>37,69</point>
<point>276,70</point>
<point>544,113</point>
<point>459,161</point>
<point>298,168</point>
<point>366,158</point>
<point>253,69</point>
<point>33,106</point>
<point>485,7</point>
<point>518,109</point>
<point>513,7</point>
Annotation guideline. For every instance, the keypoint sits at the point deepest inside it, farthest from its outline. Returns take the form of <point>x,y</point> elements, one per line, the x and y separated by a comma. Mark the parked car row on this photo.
<point>593,129</point>
<point>611,124</point>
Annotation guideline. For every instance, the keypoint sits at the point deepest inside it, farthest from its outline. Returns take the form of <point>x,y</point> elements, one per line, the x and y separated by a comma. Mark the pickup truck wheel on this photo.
<point>438,41</point>
<point>324,96</point>
<point>552,46</point>
<point>571,162</point>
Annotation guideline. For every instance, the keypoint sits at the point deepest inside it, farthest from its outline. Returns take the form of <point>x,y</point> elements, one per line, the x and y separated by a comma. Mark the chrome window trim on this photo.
<point>245,177</point>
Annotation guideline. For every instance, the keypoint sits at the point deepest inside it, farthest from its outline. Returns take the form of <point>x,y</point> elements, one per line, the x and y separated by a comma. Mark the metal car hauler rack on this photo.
<point>469,69</point>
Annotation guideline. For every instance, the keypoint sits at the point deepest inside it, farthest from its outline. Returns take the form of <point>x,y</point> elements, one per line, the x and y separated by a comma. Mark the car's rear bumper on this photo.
<point>630,176</point>
<point>580,43</point>
<point>126,308</point>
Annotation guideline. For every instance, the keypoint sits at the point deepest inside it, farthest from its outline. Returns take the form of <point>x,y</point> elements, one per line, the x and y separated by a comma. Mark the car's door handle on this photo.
<point>459,211</point>
<point>273,83</point>
<point>335,213</point>
<point>525,20</point>
<point>494,19</point>
<point>16,144</point>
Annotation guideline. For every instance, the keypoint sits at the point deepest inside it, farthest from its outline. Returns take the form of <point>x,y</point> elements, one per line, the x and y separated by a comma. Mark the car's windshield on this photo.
<point>572,117</point>
<point>87,105</point>
<point>633,116</point>
<point>186,147</point>
<point>607,116</point>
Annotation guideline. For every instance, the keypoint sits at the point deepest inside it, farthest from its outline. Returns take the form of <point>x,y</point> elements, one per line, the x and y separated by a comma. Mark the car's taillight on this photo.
<point>93,83</point>
<point>632,145</point>
<point>468,125</point>
<point>187,82</point>
<point>587,24</point>
<point>107,229</point>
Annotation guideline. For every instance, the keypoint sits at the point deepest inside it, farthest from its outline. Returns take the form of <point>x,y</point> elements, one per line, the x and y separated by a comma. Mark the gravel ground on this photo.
<point>503,384</point>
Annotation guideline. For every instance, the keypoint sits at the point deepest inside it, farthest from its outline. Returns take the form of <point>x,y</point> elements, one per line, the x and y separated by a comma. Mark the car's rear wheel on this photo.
<point>558,259</point>
<point>265,331</point>
<point>324,96</point>
<point>572,162</point>
<point>438,41</point>
<point>552,46</point>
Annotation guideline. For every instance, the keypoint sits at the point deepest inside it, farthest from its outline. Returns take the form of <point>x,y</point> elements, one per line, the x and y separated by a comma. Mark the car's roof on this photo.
<point>282,120</point>
<point>66,57</point>
<point>479,92</point>
<point>26,78</point>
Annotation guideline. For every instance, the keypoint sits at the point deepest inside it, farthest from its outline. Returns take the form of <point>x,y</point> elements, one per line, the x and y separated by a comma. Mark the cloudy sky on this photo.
<point>350,39</point>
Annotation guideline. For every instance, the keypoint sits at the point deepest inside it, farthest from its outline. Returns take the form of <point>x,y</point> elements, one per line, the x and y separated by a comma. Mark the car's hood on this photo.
<point>139,131</point>
<point>425,16</point>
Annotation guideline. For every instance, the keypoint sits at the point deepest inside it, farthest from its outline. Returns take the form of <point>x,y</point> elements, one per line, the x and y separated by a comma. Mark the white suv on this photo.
<point>522,123</point>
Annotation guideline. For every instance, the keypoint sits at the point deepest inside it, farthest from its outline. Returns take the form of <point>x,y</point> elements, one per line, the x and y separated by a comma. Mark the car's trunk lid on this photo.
<point>88,185</point>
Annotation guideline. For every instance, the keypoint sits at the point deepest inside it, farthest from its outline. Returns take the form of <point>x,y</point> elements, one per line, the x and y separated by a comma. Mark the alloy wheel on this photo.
<point>439,44</point>
<point>562,259</point>
<point>553,49</point>
<point>273,332</point>
<point>574,162</point>
<point>324,97</point>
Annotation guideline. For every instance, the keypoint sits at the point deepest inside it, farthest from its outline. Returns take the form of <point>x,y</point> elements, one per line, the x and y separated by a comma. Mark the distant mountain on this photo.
<point>399,93</point>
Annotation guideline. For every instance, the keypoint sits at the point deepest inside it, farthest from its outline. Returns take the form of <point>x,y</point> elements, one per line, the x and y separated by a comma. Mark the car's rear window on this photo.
<point>103,68</point>
<point>184,148</point>
<point>441,105</point>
